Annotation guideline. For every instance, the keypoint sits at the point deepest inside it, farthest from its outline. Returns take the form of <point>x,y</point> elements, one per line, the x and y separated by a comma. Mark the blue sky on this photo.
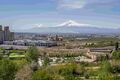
<point>24,14</point>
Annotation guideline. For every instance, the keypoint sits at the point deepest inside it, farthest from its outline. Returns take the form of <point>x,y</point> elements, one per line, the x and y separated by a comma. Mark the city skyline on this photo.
<point>25,14</point>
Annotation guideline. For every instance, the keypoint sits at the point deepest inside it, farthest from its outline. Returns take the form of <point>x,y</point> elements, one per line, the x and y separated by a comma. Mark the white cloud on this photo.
<point>71,4</point>
<point>78,4</point>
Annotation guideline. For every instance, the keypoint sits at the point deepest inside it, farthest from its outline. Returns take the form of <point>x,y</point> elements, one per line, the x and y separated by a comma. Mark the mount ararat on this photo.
<point>72,27</point>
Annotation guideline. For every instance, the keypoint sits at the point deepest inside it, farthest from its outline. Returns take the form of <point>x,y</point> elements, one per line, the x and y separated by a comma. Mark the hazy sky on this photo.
<point>23,14</point>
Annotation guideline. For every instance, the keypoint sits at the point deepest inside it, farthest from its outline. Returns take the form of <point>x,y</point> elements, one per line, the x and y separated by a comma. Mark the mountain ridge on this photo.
<point>72,27</point>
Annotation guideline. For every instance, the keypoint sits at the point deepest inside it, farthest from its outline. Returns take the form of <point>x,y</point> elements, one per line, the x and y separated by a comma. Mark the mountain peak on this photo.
<point>38,25</point>
<point>71,23</point>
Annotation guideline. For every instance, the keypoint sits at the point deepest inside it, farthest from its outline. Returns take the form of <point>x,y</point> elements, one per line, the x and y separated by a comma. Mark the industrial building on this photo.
<point>41,43</point>
<point>6,35</point>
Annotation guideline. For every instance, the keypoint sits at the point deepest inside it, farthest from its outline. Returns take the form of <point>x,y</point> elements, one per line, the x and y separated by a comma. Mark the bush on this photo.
<point>116,54</point>
<point>105,71</point>
<point>115,65</point>
<point>41,75</point>
<point>24,73</point>
<point>7,70</point>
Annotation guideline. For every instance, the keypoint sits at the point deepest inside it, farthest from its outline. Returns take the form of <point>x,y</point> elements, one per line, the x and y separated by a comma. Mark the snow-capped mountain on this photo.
<point>72,27</point>
<point>72,23</point>
<point>39,25</point>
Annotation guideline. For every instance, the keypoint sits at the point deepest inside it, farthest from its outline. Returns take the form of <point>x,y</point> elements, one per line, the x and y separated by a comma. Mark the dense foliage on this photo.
<point>59,72</point>
<point>32,54</point>
<point>7,70</point>
<point>116,54</point>
<point>28,68</point>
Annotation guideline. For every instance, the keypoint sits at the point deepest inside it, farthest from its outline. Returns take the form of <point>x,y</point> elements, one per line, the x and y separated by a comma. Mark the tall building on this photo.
<point>1,34</point>
<point>6,35</point>
<point>0,27</point>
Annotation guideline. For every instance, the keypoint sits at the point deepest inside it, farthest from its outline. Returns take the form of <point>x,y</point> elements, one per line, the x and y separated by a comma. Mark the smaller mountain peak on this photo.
<point>38,25</point>
<point>71,23</point>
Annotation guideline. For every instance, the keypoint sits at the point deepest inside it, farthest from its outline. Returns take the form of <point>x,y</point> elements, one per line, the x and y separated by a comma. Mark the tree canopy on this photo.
<point>32,54</point>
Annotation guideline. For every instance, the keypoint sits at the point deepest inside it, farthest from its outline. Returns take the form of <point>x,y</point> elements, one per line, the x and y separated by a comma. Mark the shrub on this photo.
<point>116,54</point>
<point>7,70</point>
<point>41,75</point>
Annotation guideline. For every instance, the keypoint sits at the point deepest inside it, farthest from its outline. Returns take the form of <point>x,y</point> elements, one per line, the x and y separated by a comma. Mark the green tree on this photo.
<point>116,46</point>
<point>7,70</point>
<point>32,54</point>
